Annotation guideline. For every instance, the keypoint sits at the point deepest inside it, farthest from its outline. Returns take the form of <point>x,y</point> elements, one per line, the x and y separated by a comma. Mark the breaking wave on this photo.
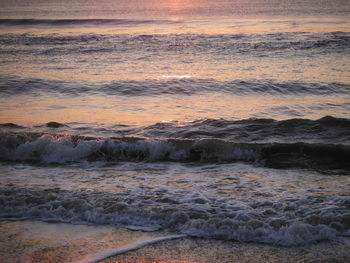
<point>52,148</point>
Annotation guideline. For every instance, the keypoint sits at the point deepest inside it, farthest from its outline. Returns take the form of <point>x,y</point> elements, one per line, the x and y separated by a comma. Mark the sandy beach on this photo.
<point>39,242</point>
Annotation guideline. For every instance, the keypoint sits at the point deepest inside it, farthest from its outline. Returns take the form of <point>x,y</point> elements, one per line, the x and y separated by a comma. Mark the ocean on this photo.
<point>214,119</point>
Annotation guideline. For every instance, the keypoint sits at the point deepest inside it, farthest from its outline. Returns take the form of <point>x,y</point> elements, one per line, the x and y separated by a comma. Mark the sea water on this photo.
<point>217,119</point>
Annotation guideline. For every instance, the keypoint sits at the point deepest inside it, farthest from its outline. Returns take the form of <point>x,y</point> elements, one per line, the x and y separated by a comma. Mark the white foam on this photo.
<point>48,149</point>
<point>227,201</point>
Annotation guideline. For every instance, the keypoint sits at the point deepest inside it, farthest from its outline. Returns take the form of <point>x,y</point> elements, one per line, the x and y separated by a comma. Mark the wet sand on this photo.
<point>29,241</point>
<point>191,250</point>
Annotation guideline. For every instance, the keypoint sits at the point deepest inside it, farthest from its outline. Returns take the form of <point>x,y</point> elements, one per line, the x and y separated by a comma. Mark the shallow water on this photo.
<point>230,201</point>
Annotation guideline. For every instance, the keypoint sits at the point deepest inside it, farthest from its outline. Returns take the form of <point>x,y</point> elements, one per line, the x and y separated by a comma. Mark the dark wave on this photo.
<point>327,129</point>
<point>218,45</point>
<point>13,86</point>
<point>51,148</point>
<point>76,22</point>
<point>11,126</point>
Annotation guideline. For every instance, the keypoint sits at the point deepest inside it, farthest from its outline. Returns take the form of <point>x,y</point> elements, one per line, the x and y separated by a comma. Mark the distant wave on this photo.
<point>219,45</point>
<point>188,86</point>
<point>77,22</point>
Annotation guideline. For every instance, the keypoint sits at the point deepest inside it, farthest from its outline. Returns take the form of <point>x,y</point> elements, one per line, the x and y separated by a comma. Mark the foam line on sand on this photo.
<point>142,242</point>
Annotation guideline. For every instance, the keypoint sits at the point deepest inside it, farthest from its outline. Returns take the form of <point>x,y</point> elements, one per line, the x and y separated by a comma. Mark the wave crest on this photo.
<point>48,148</point>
